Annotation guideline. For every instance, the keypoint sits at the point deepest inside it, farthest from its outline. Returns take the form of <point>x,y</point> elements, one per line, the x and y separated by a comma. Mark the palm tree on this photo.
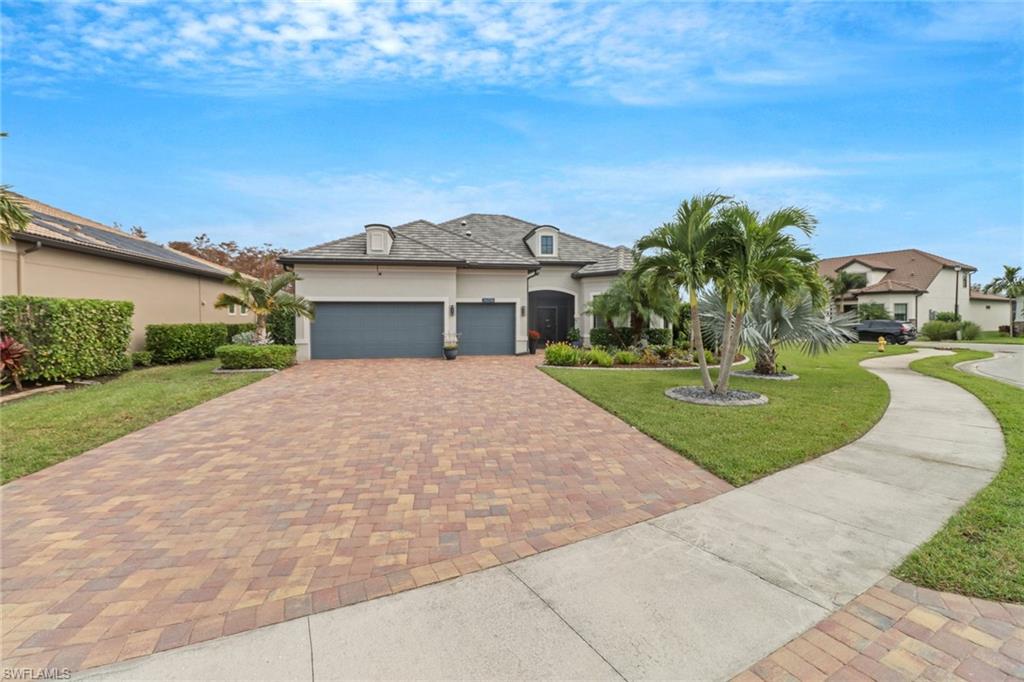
<point>844,282</point>
<point>1011,285</point>
<point>774,323</point>
<point>637,296</point>
<point>680,254</point>
<point>264,297</point>
<point>13,216</point>
<point>755,254</point>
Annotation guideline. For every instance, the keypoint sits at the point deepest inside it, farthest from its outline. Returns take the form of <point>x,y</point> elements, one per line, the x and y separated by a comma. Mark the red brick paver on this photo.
<point>322,486</point>
<point>896,631</point>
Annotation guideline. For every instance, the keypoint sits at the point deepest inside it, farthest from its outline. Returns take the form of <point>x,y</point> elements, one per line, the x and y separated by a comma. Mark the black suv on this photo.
<point>894,331</point>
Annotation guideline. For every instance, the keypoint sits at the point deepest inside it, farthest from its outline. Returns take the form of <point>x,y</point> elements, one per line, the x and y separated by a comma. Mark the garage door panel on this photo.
<point>486,328</point>
<point>377,330</point>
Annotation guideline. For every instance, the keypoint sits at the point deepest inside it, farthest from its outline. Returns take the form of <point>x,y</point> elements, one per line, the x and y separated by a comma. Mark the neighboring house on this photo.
<point>64,255</point>
<point>484,279</point>
<point>915,285</point>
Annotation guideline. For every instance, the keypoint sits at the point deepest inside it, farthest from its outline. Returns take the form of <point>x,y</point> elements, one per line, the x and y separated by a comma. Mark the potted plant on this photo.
<point>533,336</point>
<point>451,347</point>
<point>573,337</point>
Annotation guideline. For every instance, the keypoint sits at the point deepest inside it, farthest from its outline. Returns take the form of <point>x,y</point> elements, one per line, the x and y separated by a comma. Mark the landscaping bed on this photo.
<point>40,431</point>
<point>646,357</point>
<point>980,550</point>
<point>834,402</point>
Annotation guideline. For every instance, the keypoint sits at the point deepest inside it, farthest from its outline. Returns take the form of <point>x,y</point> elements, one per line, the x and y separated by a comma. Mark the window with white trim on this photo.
<point>899,311</point>
<point>547,245</point>
<point>231,308</point>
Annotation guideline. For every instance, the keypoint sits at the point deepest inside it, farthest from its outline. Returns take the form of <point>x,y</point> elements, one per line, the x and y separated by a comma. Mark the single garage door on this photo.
<point>377,330</point>
<point>487,328</point>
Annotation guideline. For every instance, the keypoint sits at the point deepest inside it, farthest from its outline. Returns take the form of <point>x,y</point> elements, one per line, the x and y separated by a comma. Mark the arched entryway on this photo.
<point>552,313</point>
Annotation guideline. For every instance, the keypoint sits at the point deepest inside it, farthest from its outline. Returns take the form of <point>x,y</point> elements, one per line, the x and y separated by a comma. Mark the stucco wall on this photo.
<point>989,315</point>
<point>159,295</point>
<point>873,276</point>
<point>591,287</point>
<point>889,300</point>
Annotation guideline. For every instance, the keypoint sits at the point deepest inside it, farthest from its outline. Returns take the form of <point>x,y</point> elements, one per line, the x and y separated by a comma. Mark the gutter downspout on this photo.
<point>21,265</point>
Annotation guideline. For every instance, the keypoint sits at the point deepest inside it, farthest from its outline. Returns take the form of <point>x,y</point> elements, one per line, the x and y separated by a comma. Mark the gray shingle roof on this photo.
<point>614,262</point>
<point>485,240</point>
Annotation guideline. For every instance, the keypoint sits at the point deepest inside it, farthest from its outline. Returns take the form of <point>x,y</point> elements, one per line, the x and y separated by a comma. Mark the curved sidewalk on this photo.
<point>699,593</point>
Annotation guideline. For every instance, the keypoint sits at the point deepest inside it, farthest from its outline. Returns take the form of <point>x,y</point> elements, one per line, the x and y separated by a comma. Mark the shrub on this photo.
<point>596,356</point>
<point>872,311</point>
<point>142,358</point>
<point>250,339</point>
<point>240,328</point>
<point>182,342</point>
<point>969,330</point>
<point>561,355</point>
<point>603,336</point>
<point>281,326</point>
<point>947,317</point>
<point>659,337</point>
<point>939,330</point>
<point>69,338</point>
<point>626,357</point>
<point>256,357</point>
<point>710,357</point>
<point>573,335</point>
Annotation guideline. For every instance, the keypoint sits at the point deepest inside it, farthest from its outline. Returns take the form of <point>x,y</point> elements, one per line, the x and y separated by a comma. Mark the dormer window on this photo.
<point>379,239</point>
<point>547,245</point>
<point>543,241</point>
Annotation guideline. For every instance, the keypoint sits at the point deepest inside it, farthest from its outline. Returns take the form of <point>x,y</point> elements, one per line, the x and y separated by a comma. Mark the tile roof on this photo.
<point>888,286</point>
<point>480,239</point>
<point>616,261</point>
<point>912,267</point>
<point>53,226</point>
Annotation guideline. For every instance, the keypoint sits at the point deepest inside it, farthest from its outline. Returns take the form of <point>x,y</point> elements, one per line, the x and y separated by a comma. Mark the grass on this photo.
<point>980,551</point>
<point>834,402</point>
<point>995,337</point>
<point>40,431</point>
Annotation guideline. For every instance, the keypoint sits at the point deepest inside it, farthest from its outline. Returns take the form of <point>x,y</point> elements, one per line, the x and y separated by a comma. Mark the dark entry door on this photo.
<point>551,314</point>
<point>547,321</point>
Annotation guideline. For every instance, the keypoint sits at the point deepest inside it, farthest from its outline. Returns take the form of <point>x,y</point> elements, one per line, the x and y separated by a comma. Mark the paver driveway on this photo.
<point>327,484</point>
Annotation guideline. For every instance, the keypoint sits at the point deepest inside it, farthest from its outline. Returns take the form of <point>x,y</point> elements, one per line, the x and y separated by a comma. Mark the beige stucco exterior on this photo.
<point>160,295</point>
<point>989,315</point>
<point>408,284</point>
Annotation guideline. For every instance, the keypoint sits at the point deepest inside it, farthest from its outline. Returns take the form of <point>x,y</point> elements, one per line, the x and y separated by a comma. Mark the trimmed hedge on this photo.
<point>256,357</point>
<point>939,330</point>
<point>69,338</point>
<point>659,337</point>
<point>235,329</point>
<point>171,343</point>
<point>605,337</point>
<point>142,358</point>
<point>281,326</point>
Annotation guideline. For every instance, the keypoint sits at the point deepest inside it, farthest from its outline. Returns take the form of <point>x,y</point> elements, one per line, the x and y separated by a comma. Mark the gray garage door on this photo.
<point>487,328</point>
<point>377,330</point>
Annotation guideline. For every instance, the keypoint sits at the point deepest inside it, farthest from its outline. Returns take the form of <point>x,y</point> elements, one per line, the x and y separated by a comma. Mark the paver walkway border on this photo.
<point>700,593</point>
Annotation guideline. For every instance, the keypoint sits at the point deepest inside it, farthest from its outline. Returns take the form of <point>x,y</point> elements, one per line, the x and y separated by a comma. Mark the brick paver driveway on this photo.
<point>327,484</point>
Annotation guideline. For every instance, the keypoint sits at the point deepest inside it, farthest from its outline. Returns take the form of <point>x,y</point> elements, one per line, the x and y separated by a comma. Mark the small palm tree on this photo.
<point>265,297</point>
<point>843,283</point>
<point>680,254</point>
<point>13,216</point>
<point>774,323</point>
<point>637,296</point>
<point>1009,284</point>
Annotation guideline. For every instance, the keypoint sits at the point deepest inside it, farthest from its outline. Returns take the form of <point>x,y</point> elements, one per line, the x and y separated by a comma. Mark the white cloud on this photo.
<point>636,53</point>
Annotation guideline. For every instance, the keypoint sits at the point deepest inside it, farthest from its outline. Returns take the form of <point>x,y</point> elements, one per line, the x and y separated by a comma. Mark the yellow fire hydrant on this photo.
<point>881,344</point>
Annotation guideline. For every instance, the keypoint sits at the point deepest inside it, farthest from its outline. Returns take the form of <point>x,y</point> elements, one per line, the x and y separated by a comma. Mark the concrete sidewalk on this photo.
<point>700,593</point>
<point>1006,366</point>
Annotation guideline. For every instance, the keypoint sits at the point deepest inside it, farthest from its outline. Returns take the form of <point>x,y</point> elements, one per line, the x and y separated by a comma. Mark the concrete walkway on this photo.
<point>700,593</point>
<point>1006,366</point>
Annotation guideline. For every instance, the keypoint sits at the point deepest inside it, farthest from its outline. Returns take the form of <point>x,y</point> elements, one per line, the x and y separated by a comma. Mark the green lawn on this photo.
<point>980,551</point>
<point>994,337</point>
<point>834,402</point>
<point>40,431</point>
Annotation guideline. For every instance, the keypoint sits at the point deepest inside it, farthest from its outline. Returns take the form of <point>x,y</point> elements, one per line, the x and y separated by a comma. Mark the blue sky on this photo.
<point>899,125</point>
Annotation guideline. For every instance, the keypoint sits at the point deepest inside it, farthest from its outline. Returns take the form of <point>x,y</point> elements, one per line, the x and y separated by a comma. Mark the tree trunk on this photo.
<point>637,324</point>
<point>261,328</point>
<point>615,332</point>
<point>725,347</point>
<point>729,353</point>
<point>765,360</point>
<point>697,343</point>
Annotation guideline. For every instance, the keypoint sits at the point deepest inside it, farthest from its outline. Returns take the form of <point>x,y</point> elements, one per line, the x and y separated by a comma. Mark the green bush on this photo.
<point>873,311</point>
<point>171,343</point>
<point>626,357</point>
<point>142,358</point>
<point>605,337</point>
<point>939,330</point>
<point>69,338</point>
<point>281,326</point>
<point>561,355</point>
<point>947,317</point>
<point>969,331</point>
<point>659,337</point>
<point>256,357</point>
<point>596,356</point>
<point>235,329</point>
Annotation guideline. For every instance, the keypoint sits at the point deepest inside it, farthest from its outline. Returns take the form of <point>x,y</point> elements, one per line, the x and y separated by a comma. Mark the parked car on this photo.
<point>894,331</point>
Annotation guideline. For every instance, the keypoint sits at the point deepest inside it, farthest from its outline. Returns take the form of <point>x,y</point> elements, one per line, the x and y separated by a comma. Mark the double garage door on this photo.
<point>409,330</point>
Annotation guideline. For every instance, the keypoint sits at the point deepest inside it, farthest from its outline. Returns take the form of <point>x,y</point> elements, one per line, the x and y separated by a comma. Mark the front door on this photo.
<point>547,321</point>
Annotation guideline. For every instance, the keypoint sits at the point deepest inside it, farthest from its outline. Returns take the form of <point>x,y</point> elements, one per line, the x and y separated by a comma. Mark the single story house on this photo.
<point>64,255</point>
<point>483,279</point>
<point>915,285</point>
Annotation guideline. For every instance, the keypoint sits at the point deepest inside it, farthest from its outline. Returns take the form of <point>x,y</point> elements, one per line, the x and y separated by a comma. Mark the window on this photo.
<point>231,308</point>
<point>966,281</point>
<point>547,245</point>
<point>244,310</point>
<point>900,311</point>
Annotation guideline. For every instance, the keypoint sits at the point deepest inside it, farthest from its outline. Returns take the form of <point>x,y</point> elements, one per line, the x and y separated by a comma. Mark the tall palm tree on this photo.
<point>844,282</point>
<point>774,323</point>
<point>264,297</point>
<point>760,254</point>
<point>681,254</point>
<point>1011,285</point>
